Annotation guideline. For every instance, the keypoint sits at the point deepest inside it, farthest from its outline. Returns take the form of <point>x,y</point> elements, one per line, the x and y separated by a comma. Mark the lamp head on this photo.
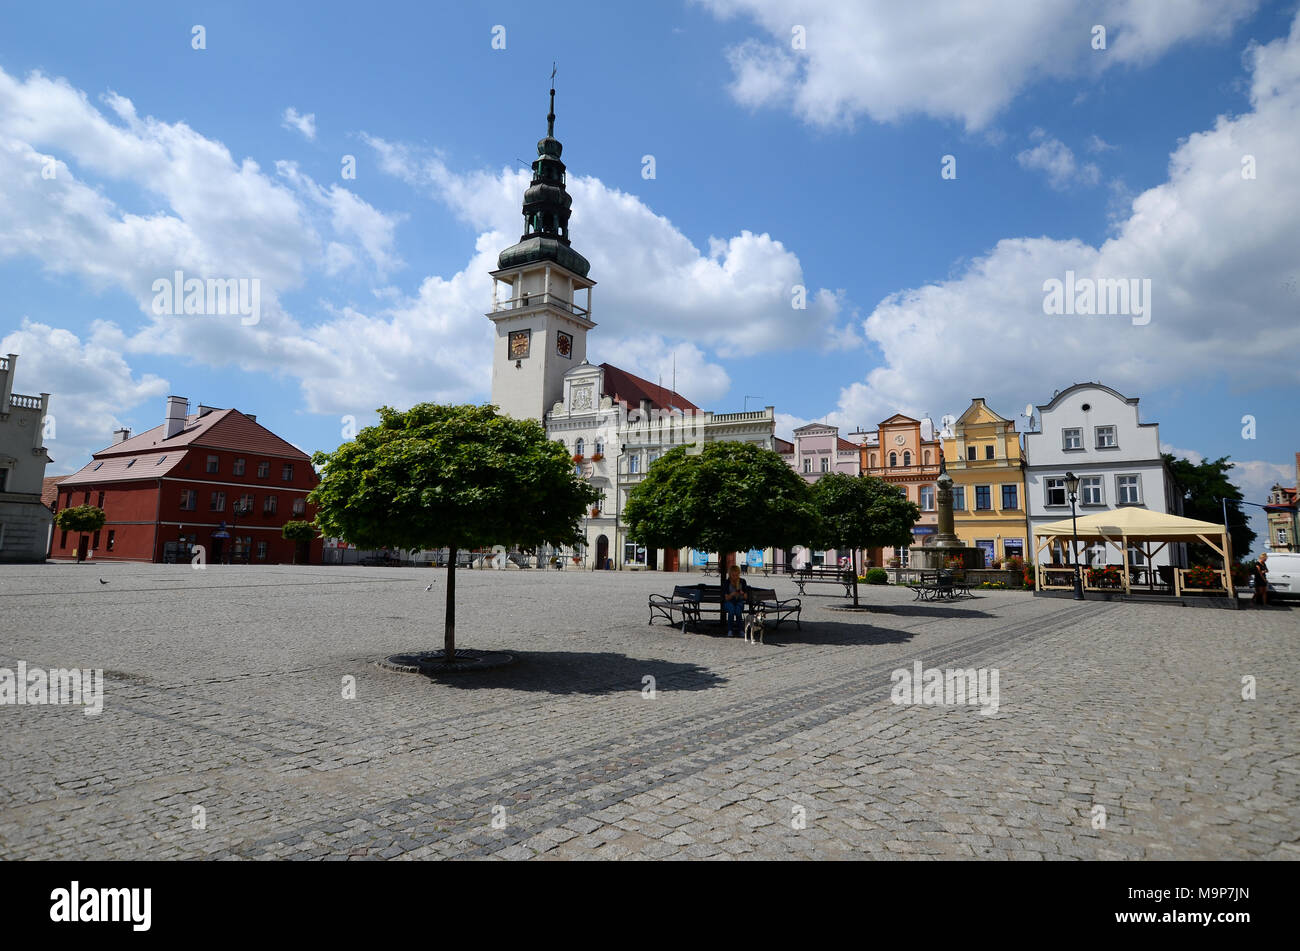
<point>1072,483</point>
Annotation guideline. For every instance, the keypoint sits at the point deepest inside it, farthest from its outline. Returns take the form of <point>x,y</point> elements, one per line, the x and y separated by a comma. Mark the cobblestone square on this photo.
<point>225,732</point>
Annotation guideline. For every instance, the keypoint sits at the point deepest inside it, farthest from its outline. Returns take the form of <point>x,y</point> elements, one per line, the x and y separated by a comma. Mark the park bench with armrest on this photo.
<point>822,574</point>
<point>940,586</point>
<point>686,602</point>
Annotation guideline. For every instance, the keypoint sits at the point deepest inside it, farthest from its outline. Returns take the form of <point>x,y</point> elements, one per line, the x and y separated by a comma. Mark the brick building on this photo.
<point>214,478</point>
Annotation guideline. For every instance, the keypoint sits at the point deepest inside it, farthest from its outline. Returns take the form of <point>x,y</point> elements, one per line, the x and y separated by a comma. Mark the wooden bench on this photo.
<point>945,586</point>
<point>824,575</point>
<point>777,610</point>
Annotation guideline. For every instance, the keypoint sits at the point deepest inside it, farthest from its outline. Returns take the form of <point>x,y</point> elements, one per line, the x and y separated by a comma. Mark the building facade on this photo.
<point>24,521</point>
<point>215,478</point>
<point>614,424</point>
<point>817,450</point>
<point>905,452</point>
<point>984,459</point>
<point>1095,432</point>
<point>1283,524</point>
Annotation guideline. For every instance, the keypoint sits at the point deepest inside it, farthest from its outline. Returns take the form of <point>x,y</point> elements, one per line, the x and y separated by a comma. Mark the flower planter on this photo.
<point>578,458</point>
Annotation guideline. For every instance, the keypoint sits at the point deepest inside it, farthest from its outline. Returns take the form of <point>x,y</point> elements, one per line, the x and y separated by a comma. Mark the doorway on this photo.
<point>602,553</point>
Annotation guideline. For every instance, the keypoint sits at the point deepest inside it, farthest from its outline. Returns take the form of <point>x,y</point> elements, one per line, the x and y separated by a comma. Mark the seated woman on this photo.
<point>735,595</point>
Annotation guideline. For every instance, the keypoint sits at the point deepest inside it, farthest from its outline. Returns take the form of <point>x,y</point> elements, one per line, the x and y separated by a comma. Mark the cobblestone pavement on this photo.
<point>224,703</point>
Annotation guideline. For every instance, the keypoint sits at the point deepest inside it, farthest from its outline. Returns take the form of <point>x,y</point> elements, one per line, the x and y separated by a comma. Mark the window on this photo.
<point>1127,490</point>
<point>600,447</point>
<point>268,505</point>
<point>650,459</point>
<point>213,464</point>
<point>94,542</point>
<point>807,465</point>
<point>826,464</point>
<point>1056,492</point>
<point>925,458</point>
<point>893,459</point>
<point>286,472</point>
<point>246,502</point>
<point>238,468</point>
<point>85,499</point>
<point>907,457</point>
<point>1282,537</point>
<point>983,498</point>
<point>218,502</point>
<point>261,551</point>
<point>634,463</point>
<point>111,538</point>
<point>100,500</point>
<point>902,491</point>
<point>63,540</point>
<point>959,498</point>
<point>1106,437</point>
<point>1090,490</point>
<point>189,500</point>
<point>1013,548</point>
<point>988,451</point>
<point>299,506</point>
<point>633,554</point>
<point>1010,497</point>
<point>970,453</point>
<point>1072,438</point>
<point>901,555</point>
<point>579,446</point>
<point>263,469</point>
<point>927,498</point>
<point>161,460</point>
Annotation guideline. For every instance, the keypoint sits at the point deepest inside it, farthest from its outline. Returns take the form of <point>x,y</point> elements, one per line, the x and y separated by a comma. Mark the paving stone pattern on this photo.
<point>224,691</point>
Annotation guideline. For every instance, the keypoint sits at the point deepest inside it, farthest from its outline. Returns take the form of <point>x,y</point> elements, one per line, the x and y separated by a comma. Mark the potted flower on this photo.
<point>595,512</point>
<point>1203,576</point>
<point>597,456</point>
<point>1105,576</point>
<point>578,457</point>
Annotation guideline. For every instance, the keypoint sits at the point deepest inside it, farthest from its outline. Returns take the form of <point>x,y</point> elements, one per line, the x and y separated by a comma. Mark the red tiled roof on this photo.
<point>846,446</point>
<point>50,489</point>
<point>219,429</point>
<point>783,446</point>
<point>151,465</point>
<point>628,388</point>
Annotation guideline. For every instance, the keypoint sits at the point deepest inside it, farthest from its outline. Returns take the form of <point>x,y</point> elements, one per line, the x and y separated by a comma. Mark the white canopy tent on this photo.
<point>1132,525</point>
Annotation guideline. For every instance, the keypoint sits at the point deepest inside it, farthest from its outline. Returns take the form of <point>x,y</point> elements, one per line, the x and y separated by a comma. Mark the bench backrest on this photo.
<point>761,594</point>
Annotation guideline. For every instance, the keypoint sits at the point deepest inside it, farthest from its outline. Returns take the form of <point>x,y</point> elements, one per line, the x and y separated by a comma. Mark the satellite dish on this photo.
<point>1029,410</point>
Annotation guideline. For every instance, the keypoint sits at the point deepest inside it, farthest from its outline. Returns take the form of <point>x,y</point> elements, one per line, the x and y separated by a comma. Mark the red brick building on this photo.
<point>214,478</point>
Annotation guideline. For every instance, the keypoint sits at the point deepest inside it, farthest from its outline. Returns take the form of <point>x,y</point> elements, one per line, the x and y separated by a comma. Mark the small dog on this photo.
<point>754,627</point>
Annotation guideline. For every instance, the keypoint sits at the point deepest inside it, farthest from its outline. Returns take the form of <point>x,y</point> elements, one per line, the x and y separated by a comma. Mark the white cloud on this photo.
<point>1055,158</point>
<point>1217,248</point>
<point>1097,144</point>
<point>964,59</point>
<point>90,386</point>
<point>306,125</point>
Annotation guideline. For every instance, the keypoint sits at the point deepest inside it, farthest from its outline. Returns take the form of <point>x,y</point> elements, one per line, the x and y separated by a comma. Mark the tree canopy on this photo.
<point>298,531</point>
<point>1203,486</point>
<point>80,518</point>
<point>454,476</point>
<point>728,496</point>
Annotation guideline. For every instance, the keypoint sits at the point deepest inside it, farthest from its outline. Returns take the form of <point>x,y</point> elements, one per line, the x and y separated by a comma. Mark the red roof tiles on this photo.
<point>630,389</point>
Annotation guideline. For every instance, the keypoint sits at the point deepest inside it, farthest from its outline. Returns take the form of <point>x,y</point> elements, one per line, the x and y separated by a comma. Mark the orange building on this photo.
<point>906,452</point>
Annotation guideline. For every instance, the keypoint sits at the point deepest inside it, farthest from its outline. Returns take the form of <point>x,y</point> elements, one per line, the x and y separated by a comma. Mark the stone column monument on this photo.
<point>945,544</point>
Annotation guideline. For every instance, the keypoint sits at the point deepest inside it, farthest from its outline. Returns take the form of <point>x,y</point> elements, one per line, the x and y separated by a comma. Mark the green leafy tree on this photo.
<point>1203,487</point>
<point>80,519</point>
<point>856,512</point>
<point>729,496</point>
<point>301,534</point>
<point>455,476</point>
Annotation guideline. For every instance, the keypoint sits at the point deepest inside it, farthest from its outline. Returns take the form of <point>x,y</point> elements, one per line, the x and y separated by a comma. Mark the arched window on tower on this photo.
<point>893,459</point>
<point>927,457</point>
<point>907,457</point>
<point>579,446</point>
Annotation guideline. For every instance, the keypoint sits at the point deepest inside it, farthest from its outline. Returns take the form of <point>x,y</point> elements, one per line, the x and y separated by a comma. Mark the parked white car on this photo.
<point>1283,575</point>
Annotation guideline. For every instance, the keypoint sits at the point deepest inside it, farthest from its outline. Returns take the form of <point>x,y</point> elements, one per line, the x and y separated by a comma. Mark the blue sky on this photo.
<point>774,166</point>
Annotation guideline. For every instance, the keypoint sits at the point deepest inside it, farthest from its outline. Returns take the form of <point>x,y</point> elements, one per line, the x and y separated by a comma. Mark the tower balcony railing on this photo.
<point>24,402</point>
<point>534,300</point>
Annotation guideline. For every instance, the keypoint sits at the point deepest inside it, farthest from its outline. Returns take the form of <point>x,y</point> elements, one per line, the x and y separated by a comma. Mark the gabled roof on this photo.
<point>845,446</point>
<point>630,389</point>
<point>227,429</point>
<point>142,466</point>
<point>816,427</point>
<point>50,489</point>
<point>783,446</point>
<point>899,418</point>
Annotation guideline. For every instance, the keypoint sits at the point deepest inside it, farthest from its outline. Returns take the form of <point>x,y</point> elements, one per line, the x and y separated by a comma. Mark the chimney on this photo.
<point>121,435</point>
<point>250,417</point>
<point>204,409</point>
<point>178,407</point>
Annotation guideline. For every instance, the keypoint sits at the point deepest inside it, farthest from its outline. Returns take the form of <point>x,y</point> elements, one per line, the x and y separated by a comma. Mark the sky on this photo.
<point>920,170</point>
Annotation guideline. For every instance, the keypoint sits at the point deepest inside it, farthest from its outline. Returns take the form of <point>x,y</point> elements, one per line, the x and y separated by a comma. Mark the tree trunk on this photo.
<point>854,559</point>
<point>449,629</point>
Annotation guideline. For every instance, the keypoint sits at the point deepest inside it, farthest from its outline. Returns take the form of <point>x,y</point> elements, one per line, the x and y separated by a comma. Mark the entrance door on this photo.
<point>652,559</point>
<point>602,552</point>
<point>990,550</point>
<point>671,557</point>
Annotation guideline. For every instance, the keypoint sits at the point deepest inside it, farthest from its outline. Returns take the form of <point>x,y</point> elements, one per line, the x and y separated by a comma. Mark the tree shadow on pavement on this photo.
<point>577,672</point>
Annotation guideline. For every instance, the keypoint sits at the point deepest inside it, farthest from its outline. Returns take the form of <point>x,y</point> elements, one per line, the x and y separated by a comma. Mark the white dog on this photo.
<point>754,627</point>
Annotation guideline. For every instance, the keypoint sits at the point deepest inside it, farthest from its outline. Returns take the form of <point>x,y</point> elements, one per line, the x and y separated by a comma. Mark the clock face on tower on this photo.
<point>564,344</point>
<point>519,341</point>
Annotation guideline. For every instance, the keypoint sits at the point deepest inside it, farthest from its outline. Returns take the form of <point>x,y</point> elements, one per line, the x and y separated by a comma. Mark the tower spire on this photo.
<point>550,116</point>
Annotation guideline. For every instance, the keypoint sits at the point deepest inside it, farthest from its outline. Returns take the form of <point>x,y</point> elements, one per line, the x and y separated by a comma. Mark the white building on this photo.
<point>24,522</point>
<point>1094,432</point>
<point>614,423</point>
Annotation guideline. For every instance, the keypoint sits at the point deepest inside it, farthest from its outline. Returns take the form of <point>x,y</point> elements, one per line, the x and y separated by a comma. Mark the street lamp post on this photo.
<point>1072,487</point>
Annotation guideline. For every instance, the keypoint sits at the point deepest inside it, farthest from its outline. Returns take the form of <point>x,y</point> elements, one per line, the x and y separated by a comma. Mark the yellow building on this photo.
<point>984,458</point>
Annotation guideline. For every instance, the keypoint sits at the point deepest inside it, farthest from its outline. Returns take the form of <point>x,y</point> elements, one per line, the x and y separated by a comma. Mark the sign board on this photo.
<point>699,558</point>
<point>925,530</point>
<point>754,558</point>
